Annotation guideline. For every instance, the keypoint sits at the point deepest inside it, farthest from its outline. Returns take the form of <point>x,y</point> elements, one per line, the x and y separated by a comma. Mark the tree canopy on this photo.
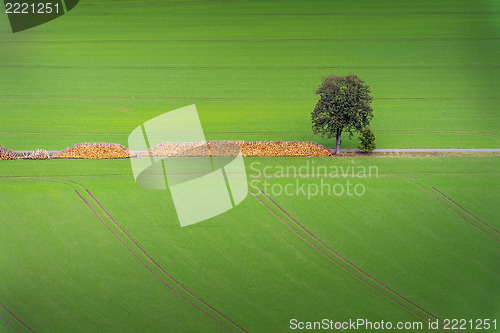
<point>344,105</point>
<point>366,140</point>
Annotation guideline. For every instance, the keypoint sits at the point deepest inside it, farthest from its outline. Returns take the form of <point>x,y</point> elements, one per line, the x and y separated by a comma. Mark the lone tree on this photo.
<point>344,105</point>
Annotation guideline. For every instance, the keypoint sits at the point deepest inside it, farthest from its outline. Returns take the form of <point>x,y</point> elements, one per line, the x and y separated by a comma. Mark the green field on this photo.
<point>252,68</point>
<point>84,249</point>
<point>63,270</point>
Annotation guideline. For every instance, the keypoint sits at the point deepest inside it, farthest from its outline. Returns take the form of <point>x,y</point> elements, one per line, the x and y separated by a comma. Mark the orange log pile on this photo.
<point>103,150</point>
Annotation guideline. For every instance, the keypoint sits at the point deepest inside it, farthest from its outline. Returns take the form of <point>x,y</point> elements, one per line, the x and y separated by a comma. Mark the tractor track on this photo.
<point>73,185</point>
<point>10,324</point>
<point>465,210</point>
<point>462,216</point>
<point>148,267</point>
<point>357,276</point>
<point>353,274</point>
<point>159,266</point>
<point>16,318</point>
<point>345,259</point>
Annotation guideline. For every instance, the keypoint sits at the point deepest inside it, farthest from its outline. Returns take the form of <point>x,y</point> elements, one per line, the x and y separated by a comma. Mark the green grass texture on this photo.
<point>251,68</point>
<point>64,270</point>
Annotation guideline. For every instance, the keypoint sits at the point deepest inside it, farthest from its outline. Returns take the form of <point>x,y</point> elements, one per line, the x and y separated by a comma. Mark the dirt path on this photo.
<point>424,150</point>
<point>349,151</point>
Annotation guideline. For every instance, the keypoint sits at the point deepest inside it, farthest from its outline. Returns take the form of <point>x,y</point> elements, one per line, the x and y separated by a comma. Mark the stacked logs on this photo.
<point>233,148</point>
<point>38,154</point>
<point>283,148</point>
<point>91,150</point>
<point>225,148</point>
<point>7,154</point>
<point>178,149</point>
<point>106,150</point>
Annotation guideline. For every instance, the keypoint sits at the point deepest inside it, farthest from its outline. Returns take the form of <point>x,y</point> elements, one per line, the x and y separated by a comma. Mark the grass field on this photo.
<point>84,249</point>
<point>64,270</point>
<point>252,68</point>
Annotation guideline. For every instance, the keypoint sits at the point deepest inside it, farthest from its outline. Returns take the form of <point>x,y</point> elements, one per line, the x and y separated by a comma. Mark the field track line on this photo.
<point>160,267</point>
<point>256,40</point>
<point>465,210</point>
<point>462,216</point>
<point>149,268</point>
<point>302,174</point>
<point>290,13</point>
<point>16,318</point>
<point>338,264</point>
<point>347,261</point>
<point>254,68</point>
<point>272,132</point>
<point>156,98</point>
<point>10,324</point>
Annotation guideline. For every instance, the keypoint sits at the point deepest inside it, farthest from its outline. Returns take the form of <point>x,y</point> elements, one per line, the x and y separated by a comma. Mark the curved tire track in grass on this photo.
<point>148,267</point>
<point>16,318</point>
<point>363,273</point>
<point>465,210</point>
<point>160,267</point>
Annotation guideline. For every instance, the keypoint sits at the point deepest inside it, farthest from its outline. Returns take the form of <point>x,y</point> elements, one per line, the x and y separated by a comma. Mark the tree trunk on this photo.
<point>339,132</point>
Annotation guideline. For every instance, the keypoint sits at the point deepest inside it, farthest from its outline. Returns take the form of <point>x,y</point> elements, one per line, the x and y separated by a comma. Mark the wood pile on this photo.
<point>225,148</point>
<point>283,148</point>
<point>7,154</point>
<point>234,148</point>
<point>105,150</point>
<point>38,154</point>
<point>178,149</point>
<point>102,150</point>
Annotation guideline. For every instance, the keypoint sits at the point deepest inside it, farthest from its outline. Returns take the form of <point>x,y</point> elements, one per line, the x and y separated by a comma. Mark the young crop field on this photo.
<point>252,68</point>
<point>410,239</point>
<point>88,250</point>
